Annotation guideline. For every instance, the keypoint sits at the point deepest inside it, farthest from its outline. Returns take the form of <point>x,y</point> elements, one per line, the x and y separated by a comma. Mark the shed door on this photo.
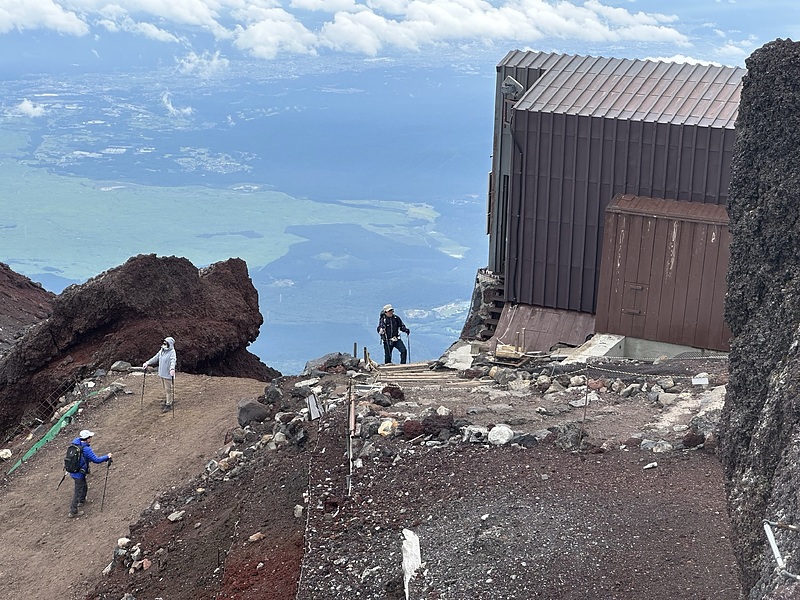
<point>634,307</point>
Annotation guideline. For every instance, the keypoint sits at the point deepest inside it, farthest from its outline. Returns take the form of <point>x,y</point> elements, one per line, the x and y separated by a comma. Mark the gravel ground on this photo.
<point>493,523</point>
<point>516,523</point>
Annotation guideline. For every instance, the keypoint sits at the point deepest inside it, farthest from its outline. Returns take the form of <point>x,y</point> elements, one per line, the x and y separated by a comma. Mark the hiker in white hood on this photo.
<point>166,359</point>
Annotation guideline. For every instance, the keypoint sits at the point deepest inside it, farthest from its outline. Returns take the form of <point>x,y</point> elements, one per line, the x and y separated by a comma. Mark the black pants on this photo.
<point>389,345</point>
<point>79,495</point>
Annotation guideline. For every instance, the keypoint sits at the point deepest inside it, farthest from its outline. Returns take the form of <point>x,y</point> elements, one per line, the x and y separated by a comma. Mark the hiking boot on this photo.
<point>166,408</point>
<point>72,515</point>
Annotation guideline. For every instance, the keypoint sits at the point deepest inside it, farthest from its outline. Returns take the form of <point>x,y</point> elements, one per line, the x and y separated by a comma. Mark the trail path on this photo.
<point>44,554</point>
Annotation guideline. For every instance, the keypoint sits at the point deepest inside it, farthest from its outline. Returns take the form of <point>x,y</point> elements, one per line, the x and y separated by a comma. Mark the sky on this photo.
<point>203,36</point>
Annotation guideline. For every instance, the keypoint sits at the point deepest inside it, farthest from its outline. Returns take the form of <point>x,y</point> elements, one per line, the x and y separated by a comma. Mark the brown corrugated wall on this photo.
<point>570,169</point>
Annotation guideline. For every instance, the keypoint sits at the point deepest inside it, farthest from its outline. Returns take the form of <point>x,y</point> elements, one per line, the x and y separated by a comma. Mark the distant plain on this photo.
<point>342,190</point>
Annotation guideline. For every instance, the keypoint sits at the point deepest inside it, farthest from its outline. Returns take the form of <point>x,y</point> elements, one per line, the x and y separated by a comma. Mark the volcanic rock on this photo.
<point>760,420</point>
<point>22,304</point>
<point>123,314</point>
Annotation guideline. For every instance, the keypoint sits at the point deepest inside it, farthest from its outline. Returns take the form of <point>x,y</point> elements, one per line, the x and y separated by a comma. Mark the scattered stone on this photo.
<point>500,435</point>
<point>176,516</point>
<point>251,410</point>
<point>256,537</point>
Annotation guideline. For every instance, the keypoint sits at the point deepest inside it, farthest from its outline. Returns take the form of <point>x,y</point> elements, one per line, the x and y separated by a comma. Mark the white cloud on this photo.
<point>330,6</point>
<point>205,65</point>
<point>275,31</point>
<point>264,28</point>
<point>175,112</point>
<point>680,58</point>
<point>40,14</point>
<point>149,30</point>
<point>26,108</point>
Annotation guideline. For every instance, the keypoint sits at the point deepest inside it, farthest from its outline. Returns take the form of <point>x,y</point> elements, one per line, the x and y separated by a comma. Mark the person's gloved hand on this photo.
<point>382,331</point>
<point>144,365</point>
<point>172,372</point>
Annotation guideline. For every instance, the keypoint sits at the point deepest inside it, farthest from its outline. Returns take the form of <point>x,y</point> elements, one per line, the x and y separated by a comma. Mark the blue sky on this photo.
<point>204,36</point>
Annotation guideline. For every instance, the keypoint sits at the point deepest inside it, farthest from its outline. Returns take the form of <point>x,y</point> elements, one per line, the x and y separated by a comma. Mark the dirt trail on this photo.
<point>45,555</point>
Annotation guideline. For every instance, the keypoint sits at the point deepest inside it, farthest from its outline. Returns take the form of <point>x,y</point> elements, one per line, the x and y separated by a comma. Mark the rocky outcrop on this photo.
<point>124,313</point>
<point>761,416</point>
<point>22,304</point>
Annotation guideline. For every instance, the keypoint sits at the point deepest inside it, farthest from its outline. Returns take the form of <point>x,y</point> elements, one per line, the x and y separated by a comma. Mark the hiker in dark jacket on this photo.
<point>389,328</point>
<point>84,441</point>
<point>166,359</point>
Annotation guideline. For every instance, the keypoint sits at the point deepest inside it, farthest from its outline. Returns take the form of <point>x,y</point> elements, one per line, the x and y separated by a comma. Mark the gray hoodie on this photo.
<point>165,359</point>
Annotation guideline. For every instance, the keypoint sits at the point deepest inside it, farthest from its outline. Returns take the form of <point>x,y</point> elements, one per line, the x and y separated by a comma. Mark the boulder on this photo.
<point>251,410</point>
<point>123,314</point>
<point>23,303</point>
<point>760,421</point>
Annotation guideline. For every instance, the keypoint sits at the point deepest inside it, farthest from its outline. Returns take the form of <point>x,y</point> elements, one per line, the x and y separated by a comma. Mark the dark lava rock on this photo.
<point>759,424</point>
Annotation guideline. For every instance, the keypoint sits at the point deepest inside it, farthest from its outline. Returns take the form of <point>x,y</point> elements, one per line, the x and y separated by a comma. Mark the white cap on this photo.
<point>387,308</point>
<point>86,434</point>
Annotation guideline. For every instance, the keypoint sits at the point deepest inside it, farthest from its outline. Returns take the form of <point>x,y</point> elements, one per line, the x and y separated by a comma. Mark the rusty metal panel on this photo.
<point>538,329</point>
<point>663,272</point>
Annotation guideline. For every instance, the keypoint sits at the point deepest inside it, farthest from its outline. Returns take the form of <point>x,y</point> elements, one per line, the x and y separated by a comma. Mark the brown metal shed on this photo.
<point>572,132</point>
<point>663,273</point>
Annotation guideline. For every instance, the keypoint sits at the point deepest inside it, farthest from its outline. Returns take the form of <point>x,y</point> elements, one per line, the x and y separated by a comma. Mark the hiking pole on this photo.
<point>105,485</point>
<point>62,480</point>
<point>144,378</point>
<point>172,404</point>
<point>408,341</point>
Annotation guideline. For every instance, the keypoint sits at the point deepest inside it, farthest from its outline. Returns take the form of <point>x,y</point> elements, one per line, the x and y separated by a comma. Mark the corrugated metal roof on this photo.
<point>621,88</point>
<point>669,209</point>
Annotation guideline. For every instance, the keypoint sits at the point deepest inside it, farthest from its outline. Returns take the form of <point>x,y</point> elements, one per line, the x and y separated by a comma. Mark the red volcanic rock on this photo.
<point>123,314</point>
<point>22,304</point>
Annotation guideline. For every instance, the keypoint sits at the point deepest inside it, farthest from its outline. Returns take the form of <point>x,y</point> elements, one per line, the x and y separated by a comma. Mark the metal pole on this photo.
<point>172,404</point>
<point>144,378</point>
<point>408,341</point>
<point>105,485</point>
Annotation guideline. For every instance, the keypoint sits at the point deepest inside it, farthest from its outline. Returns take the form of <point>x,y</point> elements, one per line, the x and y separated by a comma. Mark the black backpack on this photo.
<point>72,460</point>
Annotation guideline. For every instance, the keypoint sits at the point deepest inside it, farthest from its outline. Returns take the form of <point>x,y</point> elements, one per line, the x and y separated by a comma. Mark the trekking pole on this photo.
<point>105,485</point>
<point>408,341</point>
<point>144,378</point>
<point>172,404</point>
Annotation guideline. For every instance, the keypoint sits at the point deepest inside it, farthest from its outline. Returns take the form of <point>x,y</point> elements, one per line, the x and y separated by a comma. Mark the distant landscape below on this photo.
<point>343,189</point>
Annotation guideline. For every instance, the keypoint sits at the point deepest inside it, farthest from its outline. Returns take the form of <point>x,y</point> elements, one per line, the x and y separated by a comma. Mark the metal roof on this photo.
<point>630,89</point>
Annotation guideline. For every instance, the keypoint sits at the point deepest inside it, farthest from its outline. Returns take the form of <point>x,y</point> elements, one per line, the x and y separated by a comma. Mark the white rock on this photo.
<point>307,383</point>
<point>177,515</point>
<point>500,434</point>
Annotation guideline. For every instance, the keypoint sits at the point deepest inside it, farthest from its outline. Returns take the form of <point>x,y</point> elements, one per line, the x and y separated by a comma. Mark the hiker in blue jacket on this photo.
<point>83,441</point>
<point>166,359</point>
<point>389,328</point>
